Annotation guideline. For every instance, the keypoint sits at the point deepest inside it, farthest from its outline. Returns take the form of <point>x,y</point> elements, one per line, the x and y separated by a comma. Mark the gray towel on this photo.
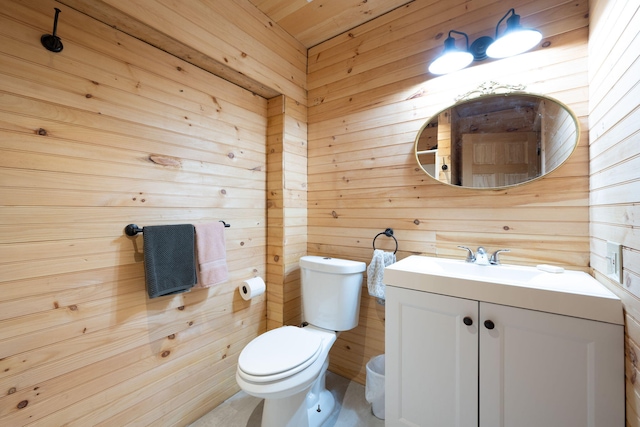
<point>379,261</point>
<point>169,259</point>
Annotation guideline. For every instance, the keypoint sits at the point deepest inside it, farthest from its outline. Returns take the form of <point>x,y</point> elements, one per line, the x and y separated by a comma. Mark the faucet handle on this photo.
<point>494,260</point>
<point>470,256</point>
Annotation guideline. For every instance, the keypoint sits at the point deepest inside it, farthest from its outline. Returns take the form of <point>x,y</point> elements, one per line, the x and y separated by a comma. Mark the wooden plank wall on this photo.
<point>614,118</point>
<point>294,190</point>
<point>369,93</point>
<point>108,132</point>
<point>230,38</point>
<point>286,209</point>
<point>556,136</point>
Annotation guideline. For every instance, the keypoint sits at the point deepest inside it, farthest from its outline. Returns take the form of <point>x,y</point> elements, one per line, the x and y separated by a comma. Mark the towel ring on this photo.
<point>389,233</point>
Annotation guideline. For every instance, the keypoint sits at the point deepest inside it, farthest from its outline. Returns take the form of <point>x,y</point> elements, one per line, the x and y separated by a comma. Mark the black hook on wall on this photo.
<point>52,41</point>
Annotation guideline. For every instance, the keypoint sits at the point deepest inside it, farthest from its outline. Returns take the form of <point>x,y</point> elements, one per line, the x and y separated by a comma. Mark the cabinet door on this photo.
<point>540,369</point>
<point>431,360</point>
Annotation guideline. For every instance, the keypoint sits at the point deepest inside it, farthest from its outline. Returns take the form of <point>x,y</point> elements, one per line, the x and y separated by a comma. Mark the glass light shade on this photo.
<point>450,61</point>
<point>513,43</point>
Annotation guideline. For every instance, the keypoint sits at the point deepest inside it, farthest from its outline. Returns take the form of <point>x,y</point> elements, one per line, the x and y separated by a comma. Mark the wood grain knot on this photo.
<point>172,336</point>
<point>165,160</point>
<point>416,221</point>
<point>23,404</point>
<point>166,353</point>
<point>42,132</point>
<point>506,228</point>
<point>12,390</point>
<point>334,214</point>
<point>276,258</point>
<point>181,307</point>
<point>73,307</point>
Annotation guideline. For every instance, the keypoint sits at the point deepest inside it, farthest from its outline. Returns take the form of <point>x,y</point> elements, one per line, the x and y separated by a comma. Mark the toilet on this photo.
<point>287,366</point>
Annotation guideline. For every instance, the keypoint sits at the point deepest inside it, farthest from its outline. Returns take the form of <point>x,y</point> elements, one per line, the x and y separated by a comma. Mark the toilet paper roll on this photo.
<point>251,288</point>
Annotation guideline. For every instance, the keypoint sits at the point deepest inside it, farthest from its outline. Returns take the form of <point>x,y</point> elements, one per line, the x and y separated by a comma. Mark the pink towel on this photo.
<point>211,255</point>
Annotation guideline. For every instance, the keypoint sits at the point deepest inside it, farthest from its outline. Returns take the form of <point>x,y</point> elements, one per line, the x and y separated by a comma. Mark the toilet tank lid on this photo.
<point>332,265</point>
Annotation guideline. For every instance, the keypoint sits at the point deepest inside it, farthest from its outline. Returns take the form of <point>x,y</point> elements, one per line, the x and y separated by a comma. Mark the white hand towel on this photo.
<point>375,272</point>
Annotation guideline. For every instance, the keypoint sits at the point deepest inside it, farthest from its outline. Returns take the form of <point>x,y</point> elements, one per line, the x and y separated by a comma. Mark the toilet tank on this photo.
<point>331,292</point>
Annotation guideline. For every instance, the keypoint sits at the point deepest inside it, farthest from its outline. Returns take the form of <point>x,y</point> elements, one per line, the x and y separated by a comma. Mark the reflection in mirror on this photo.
<point>496,141</point>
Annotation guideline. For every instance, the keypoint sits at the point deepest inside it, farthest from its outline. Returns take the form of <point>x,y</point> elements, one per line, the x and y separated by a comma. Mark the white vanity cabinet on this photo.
<point>453,361</point>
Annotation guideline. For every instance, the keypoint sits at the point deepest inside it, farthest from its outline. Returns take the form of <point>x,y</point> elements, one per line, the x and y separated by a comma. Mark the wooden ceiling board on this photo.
<point>313,22</point>
<point>279,9</point>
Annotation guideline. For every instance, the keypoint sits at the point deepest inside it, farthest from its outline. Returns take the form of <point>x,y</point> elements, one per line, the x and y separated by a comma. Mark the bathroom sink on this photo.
<point>494,273</point>
<point>571,293</point>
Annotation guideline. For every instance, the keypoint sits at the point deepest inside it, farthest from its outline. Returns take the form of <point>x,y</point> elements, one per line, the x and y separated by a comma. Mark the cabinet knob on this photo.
<point>489,324</point>
<point>467,321</point>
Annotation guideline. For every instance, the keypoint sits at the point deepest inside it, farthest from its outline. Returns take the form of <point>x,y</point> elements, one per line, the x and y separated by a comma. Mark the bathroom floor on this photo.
<point>242,410</point>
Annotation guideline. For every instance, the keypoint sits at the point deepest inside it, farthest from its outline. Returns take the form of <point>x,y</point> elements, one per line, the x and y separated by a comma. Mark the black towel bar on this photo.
<point>389,233</point>
<point>132,229</point>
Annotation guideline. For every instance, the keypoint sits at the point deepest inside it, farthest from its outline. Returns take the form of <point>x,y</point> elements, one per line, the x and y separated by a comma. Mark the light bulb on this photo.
<point>514,43</point>
<point>451,61</point>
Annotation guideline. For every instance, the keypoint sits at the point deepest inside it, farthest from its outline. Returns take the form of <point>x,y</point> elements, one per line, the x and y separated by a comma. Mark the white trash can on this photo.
<point>374,388</point>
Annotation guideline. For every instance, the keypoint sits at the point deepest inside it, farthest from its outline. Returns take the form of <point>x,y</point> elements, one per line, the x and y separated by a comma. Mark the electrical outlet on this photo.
<point>614,261</point>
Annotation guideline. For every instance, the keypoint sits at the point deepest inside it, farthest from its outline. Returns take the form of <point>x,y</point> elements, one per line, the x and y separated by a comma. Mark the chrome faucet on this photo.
<point>481,257</point>
<point>494,260</point>
<point>470,256</point>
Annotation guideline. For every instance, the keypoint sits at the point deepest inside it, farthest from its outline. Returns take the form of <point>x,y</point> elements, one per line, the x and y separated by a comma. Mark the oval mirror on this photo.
<point>497,140</point>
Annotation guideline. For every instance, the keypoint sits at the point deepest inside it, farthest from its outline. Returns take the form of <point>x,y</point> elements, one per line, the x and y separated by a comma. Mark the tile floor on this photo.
<point>242,410</point>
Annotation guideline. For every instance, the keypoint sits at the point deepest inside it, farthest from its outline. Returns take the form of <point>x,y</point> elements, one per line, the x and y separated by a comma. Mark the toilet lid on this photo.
<point>278,351</point>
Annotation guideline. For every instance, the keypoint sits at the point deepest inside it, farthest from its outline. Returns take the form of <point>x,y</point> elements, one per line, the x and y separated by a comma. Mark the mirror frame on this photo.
<point>492,90</point>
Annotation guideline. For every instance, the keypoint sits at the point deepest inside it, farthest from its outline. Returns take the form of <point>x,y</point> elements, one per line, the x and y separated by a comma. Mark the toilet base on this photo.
<point>301,409</point>
<point>286,412</point>
<point>320,402</point>
<point>327,405</point>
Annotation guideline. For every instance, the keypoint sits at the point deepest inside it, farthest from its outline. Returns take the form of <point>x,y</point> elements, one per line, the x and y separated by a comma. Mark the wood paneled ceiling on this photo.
<point>313,21</point>
<point>310,22</point>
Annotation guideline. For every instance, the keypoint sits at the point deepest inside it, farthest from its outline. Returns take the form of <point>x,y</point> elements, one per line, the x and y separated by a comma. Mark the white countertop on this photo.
<point>570,293</point>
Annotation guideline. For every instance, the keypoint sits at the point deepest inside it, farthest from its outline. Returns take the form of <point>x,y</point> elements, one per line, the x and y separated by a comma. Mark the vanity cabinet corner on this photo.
<point>455,362</point>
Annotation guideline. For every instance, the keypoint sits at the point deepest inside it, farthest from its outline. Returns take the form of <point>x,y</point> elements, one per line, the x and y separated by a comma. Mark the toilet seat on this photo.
<point>278,354</point>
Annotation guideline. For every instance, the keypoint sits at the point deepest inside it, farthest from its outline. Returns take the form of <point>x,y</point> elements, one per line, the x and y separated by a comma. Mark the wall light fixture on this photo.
<point>513,41</point>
